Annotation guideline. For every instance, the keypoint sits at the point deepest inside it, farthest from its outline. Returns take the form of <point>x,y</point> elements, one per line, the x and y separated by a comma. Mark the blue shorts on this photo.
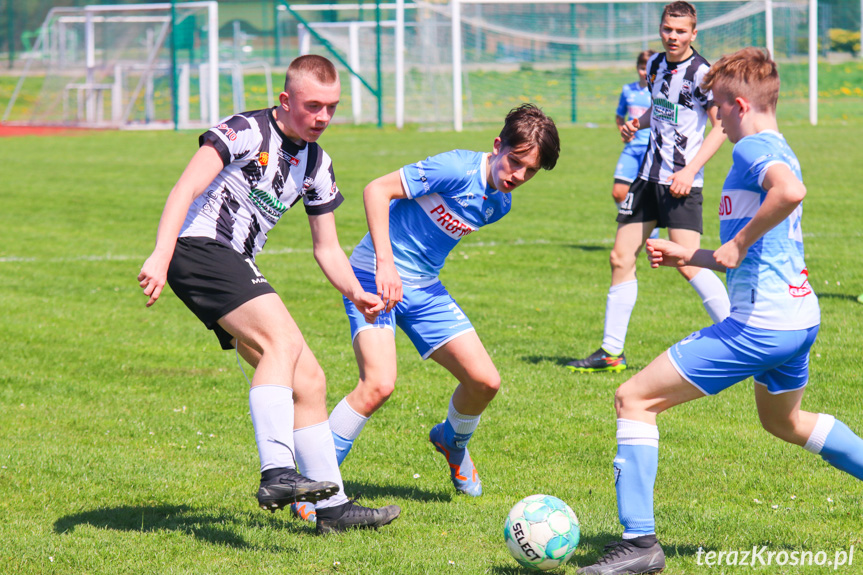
<point>428,315</point>
<point>723,354</point>
<point>629,162</point>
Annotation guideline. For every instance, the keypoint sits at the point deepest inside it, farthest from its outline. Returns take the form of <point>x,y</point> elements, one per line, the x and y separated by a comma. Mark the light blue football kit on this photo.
<point>634,101</point>
<point>448,198</point>
<point>773,323</point>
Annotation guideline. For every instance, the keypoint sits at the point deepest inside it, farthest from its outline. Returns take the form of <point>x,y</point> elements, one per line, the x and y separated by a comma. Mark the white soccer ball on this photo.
<point>541,532</point>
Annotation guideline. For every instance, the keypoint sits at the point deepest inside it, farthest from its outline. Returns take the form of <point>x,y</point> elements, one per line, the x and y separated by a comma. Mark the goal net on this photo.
<point>120,66</point>
<point>571,58</point>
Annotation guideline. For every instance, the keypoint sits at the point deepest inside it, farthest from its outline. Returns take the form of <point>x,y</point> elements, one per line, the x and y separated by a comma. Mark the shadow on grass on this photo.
<point>595,545</point>
<point>841,296</point>
<point>585,248</point>
<point>218,529</point>
<point>371,490</point>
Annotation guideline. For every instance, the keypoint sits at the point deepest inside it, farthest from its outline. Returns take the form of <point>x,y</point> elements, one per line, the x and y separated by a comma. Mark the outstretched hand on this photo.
<point>389,286</point>
<point>629,129</point>
<point>370,305</point>
<point>153,276</point>
<point>667,253</point>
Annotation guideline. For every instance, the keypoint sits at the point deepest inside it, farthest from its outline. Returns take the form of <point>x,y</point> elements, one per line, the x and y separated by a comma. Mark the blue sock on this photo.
<point>343,447</point>
<point>837,445</point>
<point>452,439</point>
<point>635,467</point>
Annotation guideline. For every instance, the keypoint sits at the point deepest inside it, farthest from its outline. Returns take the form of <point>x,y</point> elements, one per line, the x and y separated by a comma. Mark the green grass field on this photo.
<point>125,440</point>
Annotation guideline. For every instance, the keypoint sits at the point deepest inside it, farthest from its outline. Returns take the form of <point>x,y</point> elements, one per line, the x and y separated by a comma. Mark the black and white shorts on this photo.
<point>650,201</point>
<point>212,280</point>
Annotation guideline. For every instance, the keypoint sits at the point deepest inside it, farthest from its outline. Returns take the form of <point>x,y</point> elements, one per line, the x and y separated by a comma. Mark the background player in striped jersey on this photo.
<point>772,326</point>
<point>667,192</point>
<point>416,216</point>
<point>248,171</point>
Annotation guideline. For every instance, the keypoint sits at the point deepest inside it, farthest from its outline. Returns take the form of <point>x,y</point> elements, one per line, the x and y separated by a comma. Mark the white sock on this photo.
<point>316,459</point>
<point>272,409</point>
<point>618,310</point>
<point>713,294</point>
<point>462,424</point>
<point>823,427</point>
<point>346,422</point>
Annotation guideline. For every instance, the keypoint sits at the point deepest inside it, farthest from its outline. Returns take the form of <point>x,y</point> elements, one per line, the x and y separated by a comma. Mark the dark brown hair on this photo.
<point>526,127</point>
<point>748,73</point>
<point>643,57</point>
<point>681,9</point>
<point>312,65</point>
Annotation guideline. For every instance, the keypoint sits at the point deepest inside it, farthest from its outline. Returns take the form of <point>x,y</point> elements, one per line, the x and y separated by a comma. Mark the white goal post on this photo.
<point>103,65</point>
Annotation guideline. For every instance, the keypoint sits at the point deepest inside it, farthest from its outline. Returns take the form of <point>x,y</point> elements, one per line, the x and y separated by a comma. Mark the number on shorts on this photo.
<point>459,315</point>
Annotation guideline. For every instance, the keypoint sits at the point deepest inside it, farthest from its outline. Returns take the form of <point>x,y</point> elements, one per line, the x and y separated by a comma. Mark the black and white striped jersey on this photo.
<point>678,117</point>
<point>265,174</point>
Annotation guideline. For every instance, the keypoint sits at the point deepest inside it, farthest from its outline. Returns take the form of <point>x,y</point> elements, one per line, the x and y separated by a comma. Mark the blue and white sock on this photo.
<point>635,467</point>
<point>272,409</point>
<point>713,294</point>
<point>458,428</point>
<point>346,424</point>
<point>316,458</point>
<point>618,309</point>
<point>837,445</point>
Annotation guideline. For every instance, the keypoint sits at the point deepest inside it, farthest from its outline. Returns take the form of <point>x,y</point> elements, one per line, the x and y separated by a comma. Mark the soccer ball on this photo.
<point>541,532</point>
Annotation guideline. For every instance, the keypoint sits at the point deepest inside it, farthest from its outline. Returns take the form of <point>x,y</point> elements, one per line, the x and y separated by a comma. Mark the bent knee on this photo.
<point>783,428</point>
<point>621,260</point>
<point>376,392</point>
<point>487,385</point>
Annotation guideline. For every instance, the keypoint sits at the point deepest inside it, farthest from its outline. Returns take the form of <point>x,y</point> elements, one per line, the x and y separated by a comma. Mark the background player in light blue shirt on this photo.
<point>634,102</point>
<point>773,323</point>
<point>416,216</point>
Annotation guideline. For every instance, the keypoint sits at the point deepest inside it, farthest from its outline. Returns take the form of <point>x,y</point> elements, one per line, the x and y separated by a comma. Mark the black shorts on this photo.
<point>212,280</point>
<point>649,201</point>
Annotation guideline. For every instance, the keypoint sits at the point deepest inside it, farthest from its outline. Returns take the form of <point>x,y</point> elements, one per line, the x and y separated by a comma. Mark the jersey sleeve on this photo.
<point>436,174</point>
<point>234,139</point>
<point>622,104</point>
<point>756,156</point>
<point>321,195</point>
<point>704,99</point>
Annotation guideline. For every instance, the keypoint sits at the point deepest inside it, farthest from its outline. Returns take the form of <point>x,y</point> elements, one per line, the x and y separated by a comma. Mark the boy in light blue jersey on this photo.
<point>773,323</point>
<point>634,101</point>
<point>416,216</point>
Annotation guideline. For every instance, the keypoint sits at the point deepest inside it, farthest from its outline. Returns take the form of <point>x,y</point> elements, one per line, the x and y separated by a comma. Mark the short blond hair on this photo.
<point>318,67</point>
<point>748,73</point>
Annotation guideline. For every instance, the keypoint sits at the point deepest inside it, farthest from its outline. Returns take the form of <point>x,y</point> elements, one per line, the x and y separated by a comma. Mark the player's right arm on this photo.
<point>631,127</point>
<point>667,253</point>
<point>784,193</point>
<point>202,169</point>
<point>376,198</point>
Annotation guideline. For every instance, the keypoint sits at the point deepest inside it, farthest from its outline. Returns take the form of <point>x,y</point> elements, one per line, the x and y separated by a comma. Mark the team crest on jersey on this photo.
<point>264,159</point>
<point>686,86</point>
<point>308,184</point>
<point>289,158</point>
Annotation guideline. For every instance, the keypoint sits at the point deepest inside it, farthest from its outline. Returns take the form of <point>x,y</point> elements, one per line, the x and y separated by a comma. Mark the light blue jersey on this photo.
<point>634,101</point>
<point>770,289</point>
<point>448,198</point>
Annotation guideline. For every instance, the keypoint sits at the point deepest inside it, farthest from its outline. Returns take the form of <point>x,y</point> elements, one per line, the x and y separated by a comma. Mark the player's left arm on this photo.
<point>334,263</point>
<point>680,183</point>
<point>784,193</point>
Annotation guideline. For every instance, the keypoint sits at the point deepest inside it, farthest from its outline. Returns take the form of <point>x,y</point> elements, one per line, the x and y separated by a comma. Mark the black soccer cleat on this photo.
<point>600,360</point>
<point>282,486</point>
<point>352,516</point>
<point>622,557</point>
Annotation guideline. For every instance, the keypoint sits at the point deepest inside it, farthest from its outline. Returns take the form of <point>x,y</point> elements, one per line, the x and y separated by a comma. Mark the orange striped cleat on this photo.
<point>462,470</point>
